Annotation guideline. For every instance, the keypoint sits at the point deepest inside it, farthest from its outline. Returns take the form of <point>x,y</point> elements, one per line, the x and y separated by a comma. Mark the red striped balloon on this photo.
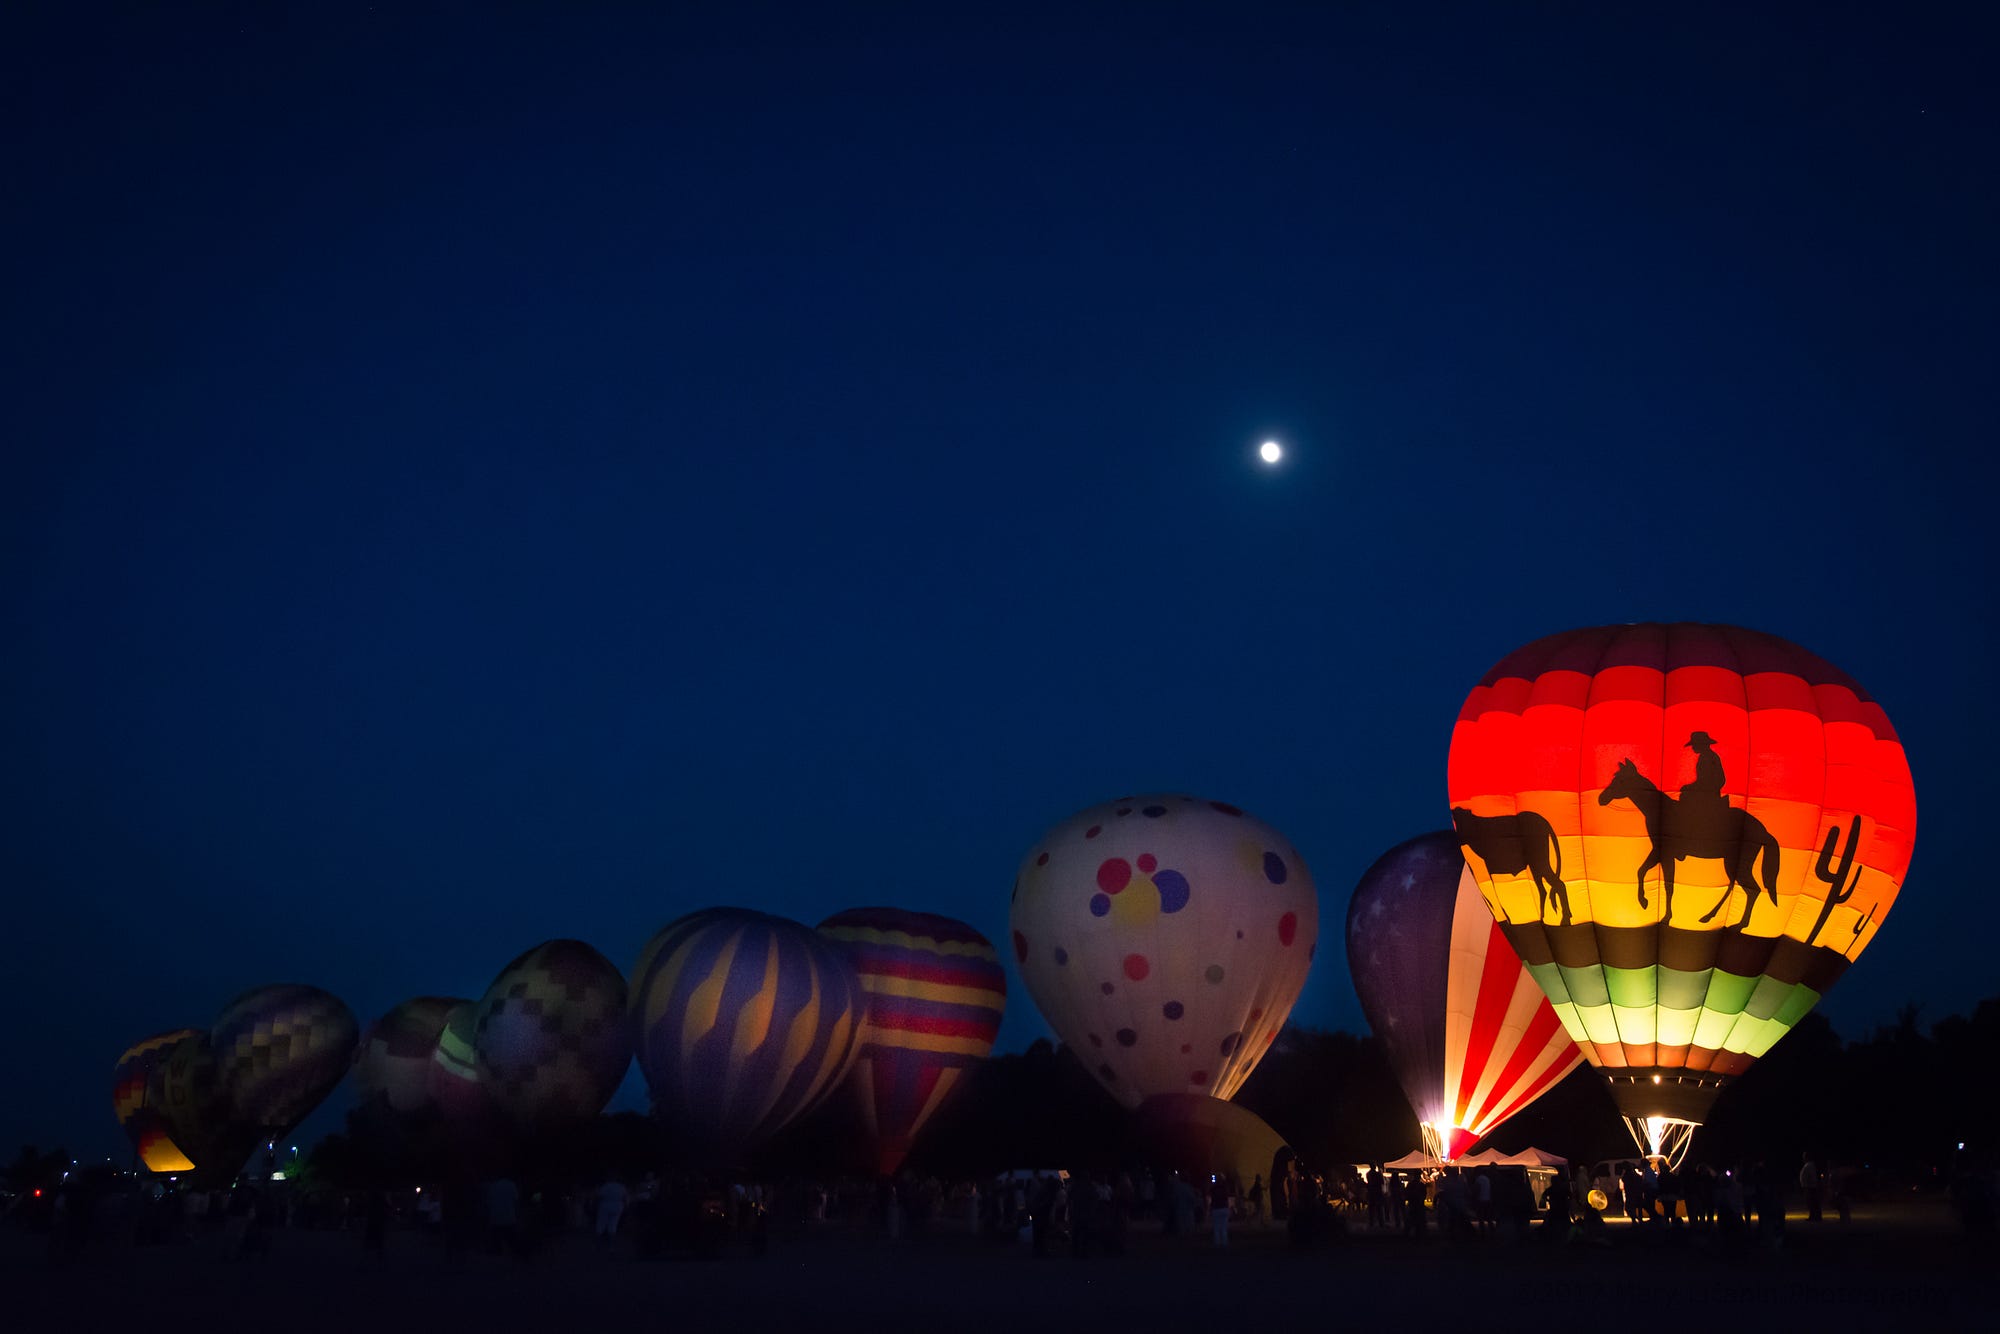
<point>936,993</point>
<point>1470,1035</point>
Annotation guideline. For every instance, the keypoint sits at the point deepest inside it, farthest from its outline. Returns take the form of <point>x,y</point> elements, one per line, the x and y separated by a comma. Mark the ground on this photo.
<point>1904,1267</point>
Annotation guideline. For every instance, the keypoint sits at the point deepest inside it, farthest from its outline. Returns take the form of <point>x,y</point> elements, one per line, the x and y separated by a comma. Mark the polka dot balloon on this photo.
<point>1183,927</point>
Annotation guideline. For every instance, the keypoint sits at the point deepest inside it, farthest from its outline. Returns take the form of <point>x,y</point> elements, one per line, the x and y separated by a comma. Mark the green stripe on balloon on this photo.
<point>1632,988</point>
<point>1588,987</point>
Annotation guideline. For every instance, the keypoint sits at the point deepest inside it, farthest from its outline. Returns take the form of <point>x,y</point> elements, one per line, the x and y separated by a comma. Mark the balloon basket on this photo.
<point>1662,1137</point>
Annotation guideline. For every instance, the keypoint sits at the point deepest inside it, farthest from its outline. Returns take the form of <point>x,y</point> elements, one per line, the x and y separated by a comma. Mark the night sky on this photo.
<point>483,476</point>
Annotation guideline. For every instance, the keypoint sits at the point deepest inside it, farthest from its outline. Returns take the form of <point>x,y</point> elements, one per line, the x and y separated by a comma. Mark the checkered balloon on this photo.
<point>392,1066</point>
<point>550,1035</point>
<point>279,1050</point>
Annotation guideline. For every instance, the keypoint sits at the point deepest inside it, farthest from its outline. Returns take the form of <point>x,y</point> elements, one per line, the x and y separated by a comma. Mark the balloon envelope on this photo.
<point>1199,1136</point>
<point>1165,939</point>
<point>936,994</point>
<point>1688,832</point>
<point>135,1100</point>
<point>1470,1036</point>
<point>454,1083</point>
<point>279,1051</point>
<point>392,1064</point>
<point>550,1037</point>
<point>187,1088</point>
<point>742,1022</point>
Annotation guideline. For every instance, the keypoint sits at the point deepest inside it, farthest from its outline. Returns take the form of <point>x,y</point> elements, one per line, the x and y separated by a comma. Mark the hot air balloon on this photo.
<point>1470,1036</point>
<point>463,1127</point>
<point>279,1050</point>
<point>742,1022</point>
<point>1165,939</point>
<point>1200,1136</point>
<point>936,992</point>
<point>392,1065</point>
<point>1688,832</point>
<point>453,1077</point>
<point>268,1060</point>
<point>187,1088</point>
<point>135,1100</point>
<point>549,1036</point>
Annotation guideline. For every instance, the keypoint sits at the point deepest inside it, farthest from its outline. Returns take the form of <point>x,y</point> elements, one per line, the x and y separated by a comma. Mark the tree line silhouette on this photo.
<point>1898,1100</point>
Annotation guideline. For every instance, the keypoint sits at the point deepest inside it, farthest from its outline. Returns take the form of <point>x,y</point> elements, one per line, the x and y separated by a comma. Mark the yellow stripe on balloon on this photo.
<point>1636,1026</point>
<point>833,1062</point>
<point>947,1080</point>
<point>805,1024</point>
<point>705,1004</point>
<point>968,949</point>
<point>833,1058</point>
<point>942,1043</point>
<point>753,1023</point>
<point>798,1042</point>
<point>876,984</point>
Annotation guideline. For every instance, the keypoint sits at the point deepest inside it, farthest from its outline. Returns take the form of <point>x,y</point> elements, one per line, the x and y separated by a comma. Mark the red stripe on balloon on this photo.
<point>980,975</point>
<point>1534,1090</point>
<point>935,1025</point>
<point>1501,967</point>
<point>1534,1042</point>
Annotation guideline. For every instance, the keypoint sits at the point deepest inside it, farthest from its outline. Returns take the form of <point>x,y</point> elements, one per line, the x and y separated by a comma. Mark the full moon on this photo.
<point>1270,451</point>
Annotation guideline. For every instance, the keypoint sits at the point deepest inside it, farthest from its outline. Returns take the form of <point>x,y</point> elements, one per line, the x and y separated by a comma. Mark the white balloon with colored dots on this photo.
<point>1165,939</point>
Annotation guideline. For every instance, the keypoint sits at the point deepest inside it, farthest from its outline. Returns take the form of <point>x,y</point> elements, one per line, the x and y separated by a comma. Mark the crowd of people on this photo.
<point>1508,1202</point>
<point>654,1215</point>
<point>1046,1213</point>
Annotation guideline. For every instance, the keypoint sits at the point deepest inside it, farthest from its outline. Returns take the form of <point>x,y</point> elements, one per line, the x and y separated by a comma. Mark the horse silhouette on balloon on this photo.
<point>1703,830</point>
<point>1701,826</point>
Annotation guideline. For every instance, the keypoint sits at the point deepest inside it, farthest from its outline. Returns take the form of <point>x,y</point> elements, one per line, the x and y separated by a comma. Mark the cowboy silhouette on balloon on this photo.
<point>1701,824</point>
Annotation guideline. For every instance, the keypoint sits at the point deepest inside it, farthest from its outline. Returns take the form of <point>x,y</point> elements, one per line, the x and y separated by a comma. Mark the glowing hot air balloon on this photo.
<point>1165,938</point>
<point>743,1022</point>
<point>936,992</point>
<point>1470,1036</point>
<point>270,1057</point>
<point>550,1037</point>
<point>1688,832</point>
<point>135,1100</point>
<point>187,1088</point>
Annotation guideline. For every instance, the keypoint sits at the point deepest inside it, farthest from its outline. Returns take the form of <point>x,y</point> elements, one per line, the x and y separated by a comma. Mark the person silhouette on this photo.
<point>1702,801</point>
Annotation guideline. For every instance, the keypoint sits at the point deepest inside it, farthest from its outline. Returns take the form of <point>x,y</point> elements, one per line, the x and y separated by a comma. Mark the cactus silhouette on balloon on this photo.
<point>1840,879</point>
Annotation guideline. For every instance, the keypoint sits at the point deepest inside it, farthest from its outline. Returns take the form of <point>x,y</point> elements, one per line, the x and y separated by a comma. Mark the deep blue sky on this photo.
<point>471,478</point>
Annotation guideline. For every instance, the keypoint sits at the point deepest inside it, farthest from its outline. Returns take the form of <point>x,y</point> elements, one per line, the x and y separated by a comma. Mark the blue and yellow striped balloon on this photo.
<point>936,993</point>
<point>743,1022</point>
